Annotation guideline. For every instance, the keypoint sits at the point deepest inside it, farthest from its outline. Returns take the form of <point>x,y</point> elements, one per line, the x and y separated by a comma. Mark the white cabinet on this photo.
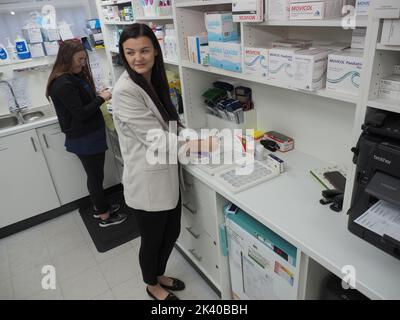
<point>26,187</point>
<point>65,168</point>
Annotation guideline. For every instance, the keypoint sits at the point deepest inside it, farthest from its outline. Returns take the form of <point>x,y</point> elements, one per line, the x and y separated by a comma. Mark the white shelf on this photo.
<point>385,104</point>
<point>118,22</point>
<point>155,18</point>
<point>202,3</point>
<point>175,63</point>
<point>309,23</point>
<point>238,75</point>
<point>110,3</point>
<point>28,63</point>
<point>380,46</point>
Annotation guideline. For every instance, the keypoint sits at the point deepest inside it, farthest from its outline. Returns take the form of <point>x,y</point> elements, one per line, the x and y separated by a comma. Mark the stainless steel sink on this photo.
<point>32,116</point>
<point>9,121</point>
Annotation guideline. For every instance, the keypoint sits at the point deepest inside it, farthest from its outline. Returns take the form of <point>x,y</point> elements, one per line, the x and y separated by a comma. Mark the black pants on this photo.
<point>94,168</point>
<point>158,231</point>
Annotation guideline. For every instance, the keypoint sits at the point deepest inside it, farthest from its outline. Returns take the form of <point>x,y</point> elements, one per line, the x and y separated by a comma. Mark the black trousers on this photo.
<point>94,168</point>
<point>158,231</point>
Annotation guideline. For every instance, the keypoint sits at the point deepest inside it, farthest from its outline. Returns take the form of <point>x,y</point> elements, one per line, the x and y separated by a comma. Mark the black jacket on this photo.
<point>78,110</point>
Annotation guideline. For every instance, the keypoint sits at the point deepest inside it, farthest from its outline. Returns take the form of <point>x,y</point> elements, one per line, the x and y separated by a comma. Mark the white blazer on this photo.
<point>149,187</point>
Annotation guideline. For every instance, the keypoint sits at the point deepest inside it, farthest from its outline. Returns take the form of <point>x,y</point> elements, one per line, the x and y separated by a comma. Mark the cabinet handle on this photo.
<point>192,211</point>
<point>192,251</point>
<point>189,229</point>
<point>33,144</point>
<point>45,141</point>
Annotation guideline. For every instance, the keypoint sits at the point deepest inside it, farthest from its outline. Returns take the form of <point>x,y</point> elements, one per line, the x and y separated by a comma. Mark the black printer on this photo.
<point>377,156</point>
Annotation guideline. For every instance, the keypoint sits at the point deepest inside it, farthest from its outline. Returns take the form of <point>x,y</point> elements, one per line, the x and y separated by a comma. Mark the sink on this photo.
<point>8,121</point>
<point>32,116</point>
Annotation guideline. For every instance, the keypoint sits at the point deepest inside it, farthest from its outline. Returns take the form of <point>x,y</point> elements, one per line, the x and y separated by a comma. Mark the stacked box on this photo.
<point>220,26</point>
<point>281,64</point>
<point>248,10</point>
<point>194,44</point>
<point>316,10</point>
<point>255,62</point>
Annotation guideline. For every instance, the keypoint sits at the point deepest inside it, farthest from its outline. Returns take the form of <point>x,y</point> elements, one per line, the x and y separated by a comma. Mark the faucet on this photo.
<point>17,106</point>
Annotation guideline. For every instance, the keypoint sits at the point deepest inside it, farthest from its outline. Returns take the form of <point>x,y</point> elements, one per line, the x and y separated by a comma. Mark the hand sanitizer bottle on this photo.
<point>22,48</point>
<point>4,58</point>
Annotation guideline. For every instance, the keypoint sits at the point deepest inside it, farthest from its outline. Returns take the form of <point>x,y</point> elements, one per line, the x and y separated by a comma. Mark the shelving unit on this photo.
<point>324,124</point>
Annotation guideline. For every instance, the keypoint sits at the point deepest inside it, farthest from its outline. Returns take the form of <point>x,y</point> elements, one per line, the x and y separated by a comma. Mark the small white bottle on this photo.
<point>11,50</point>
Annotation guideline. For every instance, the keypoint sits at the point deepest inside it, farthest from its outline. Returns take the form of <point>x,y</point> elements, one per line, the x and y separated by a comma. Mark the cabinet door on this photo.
<point>26,187</point>
<point>66,170</point>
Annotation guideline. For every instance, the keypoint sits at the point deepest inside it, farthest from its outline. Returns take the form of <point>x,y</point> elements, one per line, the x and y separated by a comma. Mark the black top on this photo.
<point>77,106</point>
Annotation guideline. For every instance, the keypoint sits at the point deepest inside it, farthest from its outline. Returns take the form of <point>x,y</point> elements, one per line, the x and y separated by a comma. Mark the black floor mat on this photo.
<point>106,238</point>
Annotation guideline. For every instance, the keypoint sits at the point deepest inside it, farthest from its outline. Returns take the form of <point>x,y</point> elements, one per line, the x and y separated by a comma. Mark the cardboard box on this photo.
<point>216,54</point>
<point>344,71</point>
<point>292,43</point>
<point>391,32</point>
<point>362,7</point>
<point>389,94</point>
<point>194,47</point>
<point>36,50</point>
<point>51,48</point>
<point>50,35</point>
<point>205,54</point>
<point>220,26</point>
<point>248,10</point>
<point>255,62</point>
<point>358,38</point>
<point>32,35</point>
<point>232,56</point>
<point>281,64</point>
<point>310,69</point>
<point>316,10</point>
<point>278,10</point>
<point>390,83</point>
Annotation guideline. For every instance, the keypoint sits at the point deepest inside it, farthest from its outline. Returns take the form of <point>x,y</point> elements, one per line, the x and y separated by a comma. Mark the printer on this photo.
<point>377,177</point>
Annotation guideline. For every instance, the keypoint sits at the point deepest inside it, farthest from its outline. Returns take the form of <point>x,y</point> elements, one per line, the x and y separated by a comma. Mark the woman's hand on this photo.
<point>105,94</point>
<point>204,145</point>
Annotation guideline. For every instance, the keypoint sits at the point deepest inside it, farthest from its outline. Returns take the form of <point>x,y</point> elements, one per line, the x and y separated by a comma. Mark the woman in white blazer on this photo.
<point>147,123</point>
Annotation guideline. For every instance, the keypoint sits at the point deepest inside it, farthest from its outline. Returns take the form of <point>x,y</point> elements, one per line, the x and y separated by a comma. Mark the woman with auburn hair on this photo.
<point>71,89</point>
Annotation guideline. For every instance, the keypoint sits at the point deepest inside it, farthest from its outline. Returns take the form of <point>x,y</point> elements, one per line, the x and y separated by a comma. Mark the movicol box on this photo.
<point>281,64</point>
<point>390,83</point>
<point>255,62</point>
<point>232,56</point>
<point>317,10</point>
<point>344,71</point>
<point>220,26</point>
<point>248,10</point>
<point>216,54</point>
<point>51,48</point>
<point>278,10</point>
<point>310,69</point>
<point>362,7</point>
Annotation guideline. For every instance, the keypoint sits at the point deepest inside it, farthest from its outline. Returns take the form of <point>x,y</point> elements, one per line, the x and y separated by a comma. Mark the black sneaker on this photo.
<point>114,219</point>
<point>113,209</point>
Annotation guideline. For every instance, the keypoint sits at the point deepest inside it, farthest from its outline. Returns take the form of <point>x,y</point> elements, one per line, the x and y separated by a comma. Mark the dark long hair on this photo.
<point>63,64</point>
<point>160,97</point>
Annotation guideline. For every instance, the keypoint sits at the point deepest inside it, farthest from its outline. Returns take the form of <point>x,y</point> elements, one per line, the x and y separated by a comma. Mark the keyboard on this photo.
<point>239,182</point>
<point>214,168</point>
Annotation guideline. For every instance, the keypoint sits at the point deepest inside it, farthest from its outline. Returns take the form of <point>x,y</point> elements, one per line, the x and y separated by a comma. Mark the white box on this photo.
<point>220,26</point>
<point>292,43</point>
<point>216,54</point>
<point>194,45</point>
<point>362,7</point>
<point>358,38</point>
<point>316,10</point>
<point>281,64</point>
<point>391,32</point>
<point>310,69</point>
<point>255,62</point>
<point>205,55</point>
<point>32,35</point>
<point>248,10</point>
<point>232,59</point>
<point>51,48</point>
<point>334,46</point>
<point>344,71</point>
<point>50,35</point>
<point>278,10</point>
<point>396,69</point>
<point>389,94</point>
<point>390,83</point>
<point>36,50</point>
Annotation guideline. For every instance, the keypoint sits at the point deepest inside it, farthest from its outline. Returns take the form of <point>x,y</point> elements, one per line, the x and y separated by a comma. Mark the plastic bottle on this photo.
<point>4,57</point>
<point>11,50</point>
<point>22,48</point>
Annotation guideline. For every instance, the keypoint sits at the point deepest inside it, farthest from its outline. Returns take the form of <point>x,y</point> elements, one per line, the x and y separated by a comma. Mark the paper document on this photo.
<point>382,218</point>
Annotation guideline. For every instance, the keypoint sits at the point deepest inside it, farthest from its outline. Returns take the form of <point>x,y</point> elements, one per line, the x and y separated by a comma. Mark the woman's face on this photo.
<point>140,55</point>
<point>78,61</point>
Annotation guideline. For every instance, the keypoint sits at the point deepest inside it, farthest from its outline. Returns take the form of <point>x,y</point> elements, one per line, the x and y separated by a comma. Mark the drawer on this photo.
<point>197,193</point>
<point>202,218</point>
<point>201,248</point>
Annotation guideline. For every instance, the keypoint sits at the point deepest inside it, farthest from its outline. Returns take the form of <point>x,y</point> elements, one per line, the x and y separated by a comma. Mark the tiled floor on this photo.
<point>81,271</point>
